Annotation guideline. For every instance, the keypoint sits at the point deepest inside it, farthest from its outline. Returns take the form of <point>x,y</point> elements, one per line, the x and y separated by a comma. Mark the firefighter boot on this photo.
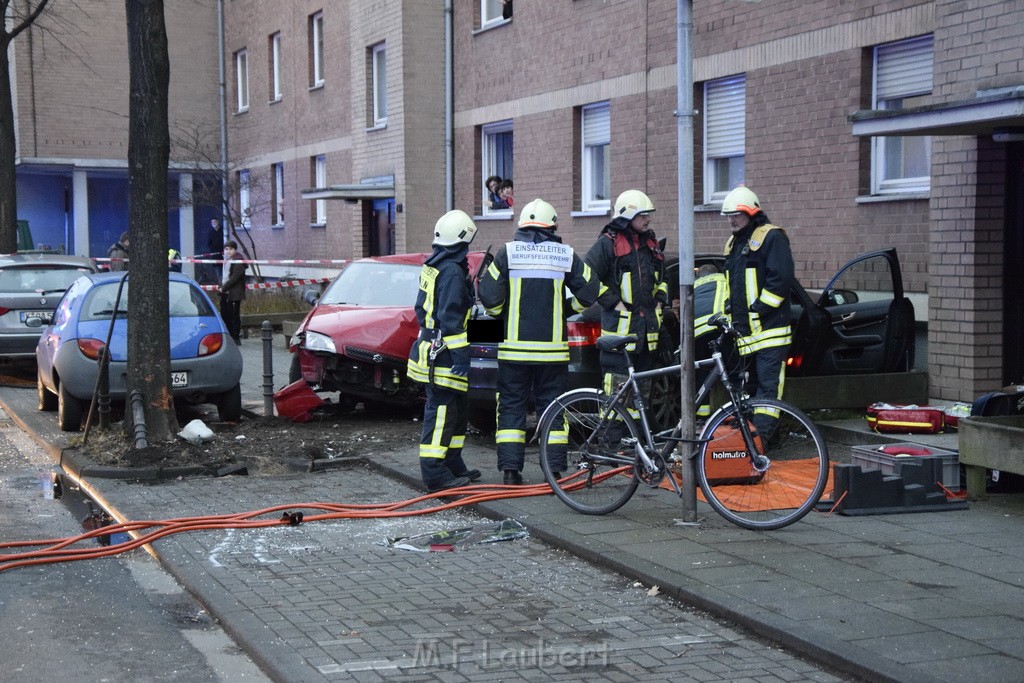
<point>437,476</point>
<point>458,467</point>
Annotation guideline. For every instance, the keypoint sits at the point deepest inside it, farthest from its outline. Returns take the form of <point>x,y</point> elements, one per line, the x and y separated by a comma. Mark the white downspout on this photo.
<point>449,126</point>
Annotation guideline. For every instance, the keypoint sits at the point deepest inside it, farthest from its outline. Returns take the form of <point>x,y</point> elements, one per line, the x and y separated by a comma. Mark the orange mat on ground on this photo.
<point>792,482</point>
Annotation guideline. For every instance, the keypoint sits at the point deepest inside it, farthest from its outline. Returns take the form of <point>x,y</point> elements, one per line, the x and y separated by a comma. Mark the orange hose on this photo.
<point>60,549</point>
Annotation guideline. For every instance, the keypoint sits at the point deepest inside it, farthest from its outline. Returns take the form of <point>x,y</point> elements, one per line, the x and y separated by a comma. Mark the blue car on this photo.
<point>205,364</point>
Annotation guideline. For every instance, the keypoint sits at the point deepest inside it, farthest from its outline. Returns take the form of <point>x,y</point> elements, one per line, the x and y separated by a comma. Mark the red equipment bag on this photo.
<point>726,460</point>
<point>900,419</point>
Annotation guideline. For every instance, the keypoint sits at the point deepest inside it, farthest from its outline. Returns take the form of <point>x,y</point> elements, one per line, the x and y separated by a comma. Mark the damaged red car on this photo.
<point>356,339</point>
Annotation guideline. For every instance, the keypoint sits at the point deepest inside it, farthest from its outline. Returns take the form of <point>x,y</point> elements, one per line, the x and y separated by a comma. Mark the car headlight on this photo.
<point>319,342</point>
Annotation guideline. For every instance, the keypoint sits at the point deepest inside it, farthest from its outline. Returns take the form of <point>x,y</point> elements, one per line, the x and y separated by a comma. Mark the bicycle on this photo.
<point>760,462</point>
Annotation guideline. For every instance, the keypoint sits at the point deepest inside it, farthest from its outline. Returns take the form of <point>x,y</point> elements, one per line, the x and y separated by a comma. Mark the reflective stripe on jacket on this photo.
<point>534,304</point>
<point>760,267</point>
<point>442,309</point>
<point>630,267</point>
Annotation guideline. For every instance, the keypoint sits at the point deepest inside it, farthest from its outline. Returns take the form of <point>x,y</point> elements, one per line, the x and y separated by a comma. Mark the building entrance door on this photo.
<point>380,240</point>
<point>1013,268</point>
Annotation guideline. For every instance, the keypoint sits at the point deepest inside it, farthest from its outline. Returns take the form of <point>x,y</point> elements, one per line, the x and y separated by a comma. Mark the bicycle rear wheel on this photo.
<point>582,455</point>
<point>795,477</point>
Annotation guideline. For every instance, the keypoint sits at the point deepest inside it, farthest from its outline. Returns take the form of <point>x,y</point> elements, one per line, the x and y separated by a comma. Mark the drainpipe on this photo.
<point>223,117</point>
<point>449,126</point>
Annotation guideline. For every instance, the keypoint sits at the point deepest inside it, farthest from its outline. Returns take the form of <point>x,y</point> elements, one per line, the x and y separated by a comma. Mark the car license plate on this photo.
<point>179,379</point>
<point>33,315</point>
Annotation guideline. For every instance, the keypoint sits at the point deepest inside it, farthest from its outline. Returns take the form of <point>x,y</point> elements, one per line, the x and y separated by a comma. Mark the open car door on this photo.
<point>870,321</point>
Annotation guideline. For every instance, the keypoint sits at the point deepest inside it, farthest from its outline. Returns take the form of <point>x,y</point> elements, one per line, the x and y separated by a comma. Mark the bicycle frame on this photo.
<point>671,438</point>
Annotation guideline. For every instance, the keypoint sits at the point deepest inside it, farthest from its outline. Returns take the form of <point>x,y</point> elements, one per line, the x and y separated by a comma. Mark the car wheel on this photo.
<point>69,410</point>
<point>229,405</point>
<point>295,370</point>
<point>44,399</point>
<point>663,397</point>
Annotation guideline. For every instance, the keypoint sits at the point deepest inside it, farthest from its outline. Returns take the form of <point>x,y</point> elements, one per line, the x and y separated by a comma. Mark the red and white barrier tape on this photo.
<point>275,285</point>
<point>260,262</point>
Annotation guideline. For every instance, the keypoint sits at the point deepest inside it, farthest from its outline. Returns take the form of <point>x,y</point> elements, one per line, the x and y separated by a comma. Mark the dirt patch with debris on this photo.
<point>265,445</point>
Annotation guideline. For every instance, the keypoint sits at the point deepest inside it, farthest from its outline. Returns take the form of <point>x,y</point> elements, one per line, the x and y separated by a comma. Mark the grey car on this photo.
<point>30,287</point>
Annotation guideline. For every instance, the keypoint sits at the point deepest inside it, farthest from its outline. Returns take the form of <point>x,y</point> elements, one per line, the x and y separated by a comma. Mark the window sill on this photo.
<point>708,208</point>
<point>278,226</point>
<point>275,100</point>
<point>895,197</point>
<point>377,126</point>
<point>590,212</point>
<point>318,225</point>
<point>241,111</point>
<point>316,86</point>
<point>495,216</point>
<point>496,24</point>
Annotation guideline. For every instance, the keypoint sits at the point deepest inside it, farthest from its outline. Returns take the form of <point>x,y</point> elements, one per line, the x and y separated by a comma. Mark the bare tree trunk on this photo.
<point>8,186</point>
<point>148,153</point>
<point>13,24</point>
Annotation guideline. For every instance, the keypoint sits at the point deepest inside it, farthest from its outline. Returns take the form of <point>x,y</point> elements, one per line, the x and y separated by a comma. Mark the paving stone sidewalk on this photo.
<point>330,601</point>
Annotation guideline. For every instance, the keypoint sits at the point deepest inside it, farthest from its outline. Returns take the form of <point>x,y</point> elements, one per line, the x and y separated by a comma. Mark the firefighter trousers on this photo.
<point>517,383</point>
<point>444,433</point>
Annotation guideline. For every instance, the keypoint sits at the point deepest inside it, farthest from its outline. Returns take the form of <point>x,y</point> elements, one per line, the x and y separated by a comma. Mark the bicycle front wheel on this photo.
<point>750,491</point>
<point>582,452</point>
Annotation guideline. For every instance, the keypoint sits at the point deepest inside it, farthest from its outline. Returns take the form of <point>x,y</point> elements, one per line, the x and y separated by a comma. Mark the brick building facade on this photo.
<point>343,138</point>
<point>809,71</point>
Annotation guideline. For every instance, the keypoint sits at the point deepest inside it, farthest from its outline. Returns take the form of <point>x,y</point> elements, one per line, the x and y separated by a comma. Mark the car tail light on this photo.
<point>90,348</point>
<point>4,311</point>
<point>583,334</point>
<point>794,362</point>
<point>211,344</point>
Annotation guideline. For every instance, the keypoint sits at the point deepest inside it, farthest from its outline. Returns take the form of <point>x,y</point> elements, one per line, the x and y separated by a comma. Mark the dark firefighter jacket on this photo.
<point>528,290</point>
<point>630,266</point>
<point>710,293</point>
<point>442,309</point>
<point>760,268</point>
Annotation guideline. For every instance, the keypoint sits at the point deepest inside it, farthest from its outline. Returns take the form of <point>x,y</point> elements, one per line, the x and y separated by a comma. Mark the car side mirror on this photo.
<point>840,297</point>
<point>34,322</point>
<point>311,297</point>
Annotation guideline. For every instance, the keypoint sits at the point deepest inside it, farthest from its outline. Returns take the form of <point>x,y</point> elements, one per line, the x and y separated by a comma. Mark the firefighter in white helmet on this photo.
<point>526,285</point>
<point>439,357</point>
<point>759,265</point>
<point>628,260</point>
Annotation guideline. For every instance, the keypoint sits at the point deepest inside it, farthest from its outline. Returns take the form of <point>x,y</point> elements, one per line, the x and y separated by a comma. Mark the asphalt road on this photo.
<point>120,619</point>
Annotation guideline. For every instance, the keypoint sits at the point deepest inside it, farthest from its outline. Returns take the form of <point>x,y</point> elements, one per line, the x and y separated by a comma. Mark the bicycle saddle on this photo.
<point>613,342</point>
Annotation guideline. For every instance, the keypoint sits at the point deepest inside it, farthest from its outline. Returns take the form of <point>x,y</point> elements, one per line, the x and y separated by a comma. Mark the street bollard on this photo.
<point>103,395</point>
<point>268,369</point>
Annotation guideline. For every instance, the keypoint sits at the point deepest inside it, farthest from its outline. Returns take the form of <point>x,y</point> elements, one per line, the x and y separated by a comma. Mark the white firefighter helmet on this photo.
<point>741,200</point>
<point>631,204</point>
<point>538,214</point>
<point>455,227</point>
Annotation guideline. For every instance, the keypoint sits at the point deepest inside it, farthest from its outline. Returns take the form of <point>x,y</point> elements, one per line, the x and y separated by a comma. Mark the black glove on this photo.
<point>460,361</point>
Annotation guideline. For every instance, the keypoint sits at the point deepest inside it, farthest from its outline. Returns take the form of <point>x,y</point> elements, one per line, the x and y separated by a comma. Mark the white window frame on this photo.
<point>278,171</point>
<point>316,24</point>
<point>725,117</point>
<point>244,204</point>
<point>490,13</point>
<point>242,79</point>
<point>320,181</point>
<point>595,146</point>
<point>275,68</point>
<point>379,83</point>
<point>488,153</point>
<point>901,71</point>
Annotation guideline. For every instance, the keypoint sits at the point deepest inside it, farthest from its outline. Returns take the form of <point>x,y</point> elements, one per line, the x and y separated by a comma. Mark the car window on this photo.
<point>870,279</point>
<point>40,278</point>
<point>374,284</point>
<point>184,300</point>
